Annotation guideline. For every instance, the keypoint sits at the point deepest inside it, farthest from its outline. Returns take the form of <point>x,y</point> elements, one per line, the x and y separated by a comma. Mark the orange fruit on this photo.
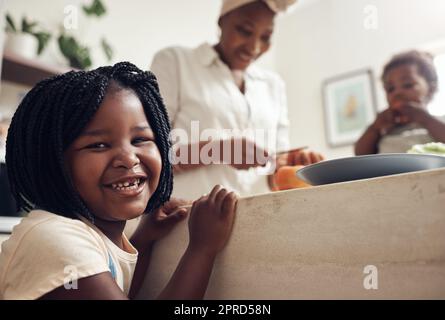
<point>286,178</point>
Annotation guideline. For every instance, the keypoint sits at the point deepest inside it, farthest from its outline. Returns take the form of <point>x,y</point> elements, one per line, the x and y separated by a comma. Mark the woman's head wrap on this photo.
<point>274,5</point>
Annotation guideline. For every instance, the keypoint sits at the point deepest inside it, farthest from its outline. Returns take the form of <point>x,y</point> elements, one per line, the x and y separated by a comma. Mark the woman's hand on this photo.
<point>299,157</point>
<point>240,153</point>
<point>244,154</point>
<point>158,224</point>
<point>211,221</point>
<point>304,157</point>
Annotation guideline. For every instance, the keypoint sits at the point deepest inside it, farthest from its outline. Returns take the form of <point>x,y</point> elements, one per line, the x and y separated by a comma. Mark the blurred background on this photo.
<point>316,41</point>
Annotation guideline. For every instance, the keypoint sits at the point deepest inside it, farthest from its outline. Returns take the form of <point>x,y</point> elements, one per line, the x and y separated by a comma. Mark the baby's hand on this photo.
<point>385,121</point>
<point>211,221</point>
<point>413,112</point>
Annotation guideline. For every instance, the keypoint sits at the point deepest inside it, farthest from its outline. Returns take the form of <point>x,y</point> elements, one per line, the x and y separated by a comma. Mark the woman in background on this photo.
<point>219,87</point>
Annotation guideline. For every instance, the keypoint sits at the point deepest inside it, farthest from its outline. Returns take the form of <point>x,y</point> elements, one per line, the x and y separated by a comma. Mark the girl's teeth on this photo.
<point>126,185</point>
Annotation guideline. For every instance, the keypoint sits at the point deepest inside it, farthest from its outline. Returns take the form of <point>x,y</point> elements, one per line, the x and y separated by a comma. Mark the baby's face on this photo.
<point>115,164</point>
<point>404,84</point>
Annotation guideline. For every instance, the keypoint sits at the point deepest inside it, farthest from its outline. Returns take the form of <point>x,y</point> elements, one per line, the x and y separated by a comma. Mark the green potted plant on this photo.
<point>79,55</point>
<point>28,41</point>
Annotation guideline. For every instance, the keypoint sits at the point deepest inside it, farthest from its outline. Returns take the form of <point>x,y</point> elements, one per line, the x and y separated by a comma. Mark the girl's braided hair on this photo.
<point>53,114</point>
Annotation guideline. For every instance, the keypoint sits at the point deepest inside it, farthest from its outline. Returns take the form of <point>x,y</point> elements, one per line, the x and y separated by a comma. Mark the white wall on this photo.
<point>320,39</point>
<point>327,37</point>
<point>136,28</point>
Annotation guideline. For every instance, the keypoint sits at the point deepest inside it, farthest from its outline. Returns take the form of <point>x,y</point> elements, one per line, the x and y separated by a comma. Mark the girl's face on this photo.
<point>115,164</point>
<point>404,84</point>
<point>245,34</point>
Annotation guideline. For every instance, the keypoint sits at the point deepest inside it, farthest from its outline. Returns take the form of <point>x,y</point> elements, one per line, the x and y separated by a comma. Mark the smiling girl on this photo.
<point>87,151</point>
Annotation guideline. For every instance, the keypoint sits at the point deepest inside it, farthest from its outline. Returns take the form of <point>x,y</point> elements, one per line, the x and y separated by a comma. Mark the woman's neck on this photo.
<point>238,75</point>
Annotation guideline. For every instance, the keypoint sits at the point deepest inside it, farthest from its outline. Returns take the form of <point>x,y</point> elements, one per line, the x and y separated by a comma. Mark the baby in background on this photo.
<point>410,82</point>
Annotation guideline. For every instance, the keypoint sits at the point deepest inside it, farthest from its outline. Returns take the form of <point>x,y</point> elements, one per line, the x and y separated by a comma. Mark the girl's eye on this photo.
<point>141,140</point>
<point>98,145</point>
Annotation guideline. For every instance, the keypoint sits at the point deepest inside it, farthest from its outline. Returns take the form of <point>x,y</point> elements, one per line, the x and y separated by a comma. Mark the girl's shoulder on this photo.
<point>43,250</point>
<point>43,224</point>
<point>43,230</point>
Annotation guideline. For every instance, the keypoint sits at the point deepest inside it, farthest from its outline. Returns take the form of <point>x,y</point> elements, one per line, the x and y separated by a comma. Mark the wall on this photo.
<point>318,40</point>
<point>327,37</point>
<point>136,29</point>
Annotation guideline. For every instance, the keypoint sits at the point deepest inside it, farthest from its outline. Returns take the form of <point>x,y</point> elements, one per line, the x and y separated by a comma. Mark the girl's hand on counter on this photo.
<point>211,221</point>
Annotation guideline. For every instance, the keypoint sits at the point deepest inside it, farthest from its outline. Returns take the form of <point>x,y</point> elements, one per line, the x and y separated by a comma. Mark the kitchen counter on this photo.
<point>322,242</point>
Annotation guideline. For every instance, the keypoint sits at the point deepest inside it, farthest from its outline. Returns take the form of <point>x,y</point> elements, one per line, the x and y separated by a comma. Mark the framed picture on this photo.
<point>349,106</point>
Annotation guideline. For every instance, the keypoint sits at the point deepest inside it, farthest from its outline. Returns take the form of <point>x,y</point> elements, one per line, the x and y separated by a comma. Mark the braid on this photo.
<point>53,114</point>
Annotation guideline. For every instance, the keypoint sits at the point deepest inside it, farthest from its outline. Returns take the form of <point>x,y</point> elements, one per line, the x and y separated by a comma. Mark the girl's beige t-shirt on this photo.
<point>47,251</point>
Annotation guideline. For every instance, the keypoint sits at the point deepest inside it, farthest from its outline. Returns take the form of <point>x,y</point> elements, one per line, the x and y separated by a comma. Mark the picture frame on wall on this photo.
<point>349,104</point>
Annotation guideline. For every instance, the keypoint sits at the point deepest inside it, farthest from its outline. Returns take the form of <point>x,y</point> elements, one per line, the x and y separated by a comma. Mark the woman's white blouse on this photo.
<point>199,91</point>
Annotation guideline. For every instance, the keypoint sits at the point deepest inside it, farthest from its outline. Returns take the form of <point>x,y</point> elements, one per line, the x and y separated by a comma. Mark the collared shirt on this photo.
<point>197,86</point>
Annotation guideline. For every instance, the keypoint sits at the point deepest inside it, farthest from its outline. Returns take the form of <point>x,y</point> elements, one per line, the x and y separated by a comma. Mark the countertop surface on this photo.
<point>319,242</point>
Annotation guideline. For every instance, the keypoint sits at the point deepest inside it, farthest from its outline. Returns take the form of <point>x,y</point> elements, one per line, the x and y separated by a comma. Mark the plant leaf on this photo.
<point>28,26</point>
<point>10,25</point>
<point>96,8</point>
<point>42,38</point>
<point>108,50</point>
<point>77,55</point>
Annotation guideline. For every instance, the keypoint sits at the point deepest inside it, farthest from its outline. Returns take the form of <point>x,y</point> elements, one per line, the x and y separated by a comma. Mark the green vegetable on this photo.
<point>437,148</point>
